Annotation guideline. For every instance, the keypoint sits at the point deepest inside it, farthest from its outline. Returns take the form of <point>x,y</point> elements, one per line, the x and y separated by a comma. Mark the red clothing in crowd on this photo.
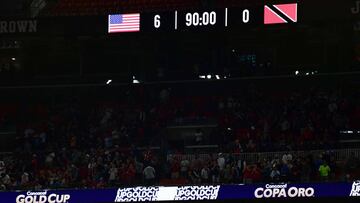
<point>247,173</point>
<point>130,174</point>
<point>256,175</point>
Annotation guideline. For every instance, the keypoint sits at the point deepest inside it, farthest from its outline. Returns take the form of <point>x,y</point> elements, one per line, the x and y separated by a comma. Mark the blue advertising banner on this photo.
<point>285,191</point>
<point>177,193</point>
<point>59,196</point>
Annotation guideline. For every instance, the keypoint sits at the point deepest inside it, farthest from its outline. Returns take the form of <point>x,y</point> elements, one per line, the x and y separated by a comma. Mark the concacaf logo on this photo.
<point>273,191</point>
<point>42,197</point>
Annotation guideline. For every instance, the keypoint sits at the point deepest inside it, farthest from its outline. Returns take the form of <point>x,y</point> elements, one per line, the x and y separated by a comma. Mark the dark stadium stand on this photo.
<point>98,7</point>
<point>188,136</point>
<point>179,100</point>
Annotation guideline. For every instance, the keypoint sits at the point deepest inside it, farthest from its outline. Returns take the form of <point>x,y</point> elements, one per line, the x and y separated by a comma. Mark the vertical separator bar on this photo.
<point>226,17</point>
<point>176,21</point>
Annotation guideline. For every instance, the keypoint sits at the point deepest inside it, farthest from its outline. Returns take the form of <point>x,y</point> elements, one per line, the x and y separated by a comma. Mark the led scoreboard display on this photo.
<point>216,19</point>
<point>210,19</point>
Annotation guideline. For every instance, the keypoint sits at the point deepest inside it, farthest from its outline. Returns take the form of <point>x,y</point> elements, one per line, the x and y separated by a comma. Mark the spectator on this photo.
<point>227,174</point>
<point>324,171</point>
<point>130,174</point>
<point>149,175</point>
<point>241,165</point>
<point>195,176</point>
<point>2,168</point>
<point>305,170</point>
<point>221,162</point>
<point>205,173</point>
<point>5,180</point>
<point>251,146</point>
<point>24,179</point>
<point>235,173</point>
<point>50,159</point>
<point>275,174</point>
<point>113,174</point>
<point>256,174</point>
<point>295,171</point>
<point>175,168</point>
<point>286,158</point>
<point>215,174</point>
<point>351,165</point>
<point>139,168</point>
<point>284,172</point>
<point>267,167</point>
<point>73,171</point>
<point>184,168</point>
<point>247,175</point>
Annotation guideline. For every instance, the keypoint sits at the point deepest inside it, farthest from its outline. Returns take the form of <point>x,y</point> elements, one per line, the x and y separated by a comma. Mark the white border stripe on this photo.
<point>294,20</point>
<point>276,14</point>
<point>109,24</point>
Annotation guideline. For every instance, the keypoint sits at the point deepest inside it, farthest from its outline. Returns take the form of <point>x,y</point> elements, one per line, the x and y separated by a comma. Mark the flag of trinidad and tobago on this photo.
<point>280,13</point>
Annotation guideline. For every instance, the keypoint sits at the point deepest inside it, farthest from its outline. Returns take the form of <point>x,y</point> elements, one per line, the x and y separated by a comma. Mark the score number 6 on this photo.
<point>157,22</point>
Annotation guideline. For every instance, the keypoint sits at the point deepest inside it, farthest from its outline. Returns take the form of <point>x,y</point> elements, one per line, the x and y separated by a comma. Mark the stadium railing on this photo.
<point>339,155</point>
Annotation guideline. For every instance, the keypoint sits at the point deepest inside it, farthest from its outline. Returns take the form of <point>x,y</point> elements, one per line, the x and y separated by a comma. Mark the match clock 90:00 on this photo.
<point>199,19</point>
<point>210,18</point>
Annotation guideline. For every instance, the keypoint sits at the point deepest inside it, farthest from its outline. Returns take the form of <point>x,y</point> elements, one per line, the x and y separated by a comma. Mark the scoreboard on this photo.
<point>304,13</point>
<point>200,20</point>
<point>207,19</point>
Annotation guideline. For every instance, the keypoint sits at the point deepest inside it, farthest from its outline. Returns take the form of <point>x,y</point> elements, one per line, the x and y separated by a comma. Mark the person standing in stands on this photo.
<point>205,173</point>
<point>184,167</point>
<point>139,168</point>
<point>221,161</point>
<point>324,171</point>
<point>2,168</point>
<point>149,175</point>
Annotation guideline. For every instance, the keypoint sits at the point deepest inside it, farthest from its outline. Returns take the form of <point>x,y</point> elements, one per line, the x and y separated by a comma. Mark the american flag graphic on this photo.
<point>124,23</point>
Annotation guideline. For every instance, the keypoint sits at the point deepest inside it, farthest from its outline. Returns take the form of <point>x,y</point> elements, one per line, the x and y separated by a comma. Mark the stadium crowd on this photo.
<point>228,168</point>
<point>82,144</point>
